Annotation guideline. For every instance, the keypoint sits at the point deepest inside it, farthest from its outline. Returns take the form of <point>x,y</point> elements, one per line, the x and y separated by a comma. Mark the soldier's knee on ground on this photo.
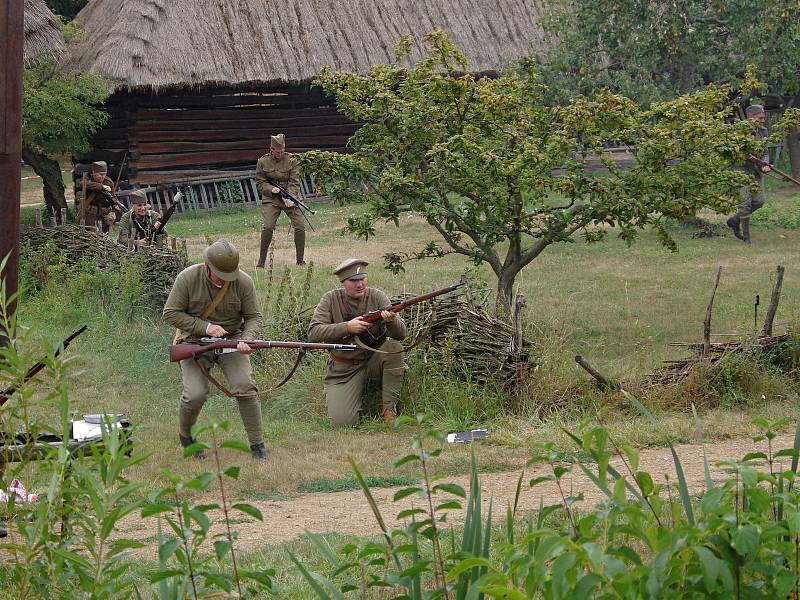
<point>343,418</point>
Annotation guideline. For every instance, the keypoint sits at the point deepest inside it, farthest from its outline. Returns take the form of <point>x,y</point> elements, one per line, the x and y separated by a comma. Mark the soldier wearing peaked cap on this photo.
<point>337,318</point>
<point>281,167</point>
<point>216,299</point>
<point>139,223</point>
<point>93,204</point>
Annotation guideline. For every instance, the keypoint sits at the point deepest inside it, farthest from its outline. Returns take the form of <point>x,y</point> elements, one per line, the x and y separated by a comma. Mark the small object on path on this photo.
<point>463,437</point>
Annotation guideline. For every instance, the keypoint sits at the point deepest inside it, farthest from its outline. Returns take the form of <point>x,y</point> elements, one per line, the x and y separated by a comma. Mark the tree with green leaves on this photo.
<point>61,110</point>
<point>500,174</point>
<point>652,51</point>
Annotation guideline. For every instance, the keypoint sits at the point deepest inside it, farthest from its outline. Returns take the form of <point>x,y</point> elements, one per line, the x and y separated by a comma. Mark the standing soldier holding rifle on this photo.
<point>98,202</point>
<point>140,224</point>
<point>279,167</point>
<point>216,299</point>
<point>740,222</point>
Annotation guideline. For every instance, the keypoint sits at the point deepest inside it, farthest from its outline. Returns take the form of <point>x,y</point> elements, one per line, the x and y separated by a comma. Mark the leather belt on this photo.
<point>346,361</point>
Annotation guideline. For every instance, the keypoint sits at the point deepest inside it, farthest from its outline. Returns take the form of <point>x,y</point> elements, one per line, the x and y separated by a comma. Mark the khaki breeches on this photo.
<point>752,201</point>
<point>344,396</point>
<point>271,212</point>
<point>238,372</point>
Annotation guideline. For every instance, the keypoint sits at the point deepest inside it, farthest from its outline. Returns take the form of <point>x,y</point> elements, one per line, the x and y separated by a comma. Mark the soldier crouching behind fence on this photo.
<point>216,299</point>
<point>337,318</point>
<point>140,225</point>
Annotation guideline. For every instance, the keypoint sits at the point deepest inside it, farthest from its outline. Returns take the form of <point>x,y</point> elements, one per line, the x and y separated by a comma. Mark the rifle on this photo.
<point>31,373</point>
<point>111,201</point>
<point>179,352</point>
<point>162,221</point>
<point>286,194</point>
<point>774,169</point>
<point>373,341</point>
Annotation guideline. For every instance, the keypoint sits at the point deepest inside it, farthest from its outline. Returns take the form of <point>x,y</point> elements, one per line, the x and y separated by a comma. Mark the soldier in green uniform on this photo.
<point>216,299</point>
<point>140,223</point>
<point>95,203</point>
<point>337,318</point>
<point>740,222</point>
<point>281,167</point>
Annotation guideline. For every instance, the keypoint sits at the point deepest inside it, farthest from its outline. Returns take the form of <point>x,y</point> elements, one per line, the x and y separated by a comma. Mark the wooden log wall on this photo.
<point>177,136</point>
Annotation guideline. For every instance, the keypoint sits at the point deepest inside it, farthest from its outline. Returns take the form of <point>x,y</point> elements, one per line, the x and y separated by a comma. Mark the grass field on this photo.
<point>618,306</point>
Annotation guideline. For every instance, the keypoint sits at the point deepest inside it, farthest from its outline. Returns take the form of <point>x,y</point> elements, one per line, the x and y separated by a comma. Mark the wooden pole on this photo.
<point>707,322</point>
<point>11,47</point>
<point>605,383</point>
<point>773,303</point>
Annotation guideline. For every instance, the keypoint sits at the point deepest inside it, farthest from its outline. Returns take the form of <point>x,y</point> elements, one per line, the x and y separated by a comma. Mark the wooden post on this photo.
<point>773,303</point>
<point>707,321</point>
<point>183,247</point>
<point>174,242</point>
<point>11,57</point>
<point>519,303</point>
<point>605,383</point>
<point>38,213</point>
<point>63,216</point>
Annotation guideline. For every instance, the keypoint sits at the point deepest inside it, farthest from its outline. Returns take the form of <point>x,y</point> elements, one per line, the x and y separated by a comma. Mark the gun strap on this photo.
<point>417,340</point>
<point>230,394</point>
<point>181,335</point>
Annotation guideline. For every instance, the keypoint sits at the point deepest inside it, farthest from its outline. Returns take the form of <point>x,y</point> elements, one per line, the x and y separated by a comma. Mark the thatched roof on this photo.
<point>194,43</point>
<point>42,33</point>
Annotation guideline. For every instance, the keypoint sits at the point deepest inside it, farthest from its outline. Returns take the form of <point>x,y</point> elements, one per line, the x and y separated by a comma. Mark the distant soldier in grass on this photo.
<point>740,222</point>
<point>140,223</point>
<point>95,203</point>
<point>216,299</point>
<point>337,318</point>
<point>279,166</point>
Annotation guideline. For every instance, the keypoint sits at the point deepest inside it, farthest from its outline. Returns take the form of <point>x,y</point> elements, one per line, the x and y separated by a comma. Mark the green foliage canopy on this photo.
<point>501,175</point>
<point>60,108</point>
<point>651,50</point>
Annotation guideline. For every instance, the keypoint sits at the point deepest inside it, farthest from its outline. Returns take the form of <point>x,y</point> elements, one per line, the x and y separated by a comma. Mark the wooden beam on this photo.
<point>11,56</point>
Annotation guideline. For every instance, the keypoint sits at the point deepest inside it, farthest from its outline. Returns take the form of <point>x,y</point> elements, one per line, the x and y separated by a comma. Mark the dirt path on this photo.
<point>349,513</point>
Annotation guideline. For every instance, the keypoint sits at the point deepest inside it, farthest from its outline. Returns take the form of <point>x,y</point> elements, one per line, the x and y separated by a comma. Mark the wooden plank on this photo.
<point>223,135</point>
<point>272,125</point>
<point>157,114</point>
<point>200,99</point>
<point>141,148</point>
<point>196,158</point>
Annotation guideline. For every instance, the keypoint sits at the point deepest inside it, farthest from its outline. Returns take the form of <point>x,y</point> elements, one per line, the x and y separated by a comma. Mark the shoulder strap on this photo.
<point>215,302</point>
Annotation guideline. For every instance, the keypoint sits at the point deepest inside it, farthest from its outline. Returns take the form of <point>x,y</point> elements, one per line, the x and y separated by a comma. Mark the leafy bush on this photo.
<point>785,217</point>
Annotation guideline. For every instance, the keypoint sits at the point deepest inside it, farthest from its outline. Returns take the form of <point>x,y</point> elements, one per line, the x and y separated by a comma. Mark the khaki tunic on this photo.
<point>286,172</point>
<point>239,313</point>
<point>129,231</point>
<point>347,378</point>
<point>91,207</point>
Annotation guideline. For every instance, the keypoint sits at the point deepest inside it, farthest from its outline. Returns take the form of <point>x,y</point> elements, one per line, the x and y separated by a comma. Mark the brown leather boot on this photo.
<point>300,245</point>
<point>266,240</point>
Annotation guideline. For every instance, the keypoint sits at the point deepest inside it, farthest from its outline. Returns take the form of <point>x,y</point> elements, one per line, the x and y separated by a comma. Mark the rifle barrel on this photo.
<point>179,352</point>
<point>375,315</point>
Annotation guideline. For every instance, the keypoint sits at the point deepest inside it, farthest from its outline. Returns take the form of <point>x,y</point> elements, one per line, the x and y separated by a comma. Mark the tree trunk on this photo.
<point>505,291</point>
<point>793,148</point>
<point>52,183</point>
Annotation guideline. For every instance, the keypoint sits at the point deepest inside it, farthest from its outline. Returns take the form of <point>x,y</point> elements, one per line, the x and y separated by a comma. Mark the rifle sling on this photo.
<point>417,341</point>
<point>230,394</point>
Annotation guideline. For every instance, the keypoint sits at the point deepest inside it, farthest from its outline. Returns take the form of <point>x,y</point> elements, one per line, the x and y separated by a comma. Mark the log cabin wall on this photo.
<point>179,136</point>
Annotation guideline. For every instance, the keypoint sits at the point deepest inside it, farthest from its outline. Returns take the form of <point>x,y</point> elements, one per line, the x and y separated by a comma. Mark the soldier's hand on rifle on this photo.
<point>288,203</point>
<point>216,330</point>
<point>243,348</point>
<point>388,316</point>
<point>143,242</point>
<point>357,325</point>
<point>107,188</point>
<point>157,225</point>
<point>276,190</point>
<point>766,169</point>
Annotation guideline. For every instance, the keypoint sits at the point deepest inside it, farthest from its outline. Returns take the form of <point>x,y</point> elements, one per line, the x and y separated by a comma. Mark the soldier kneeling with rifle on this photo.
<point>140,224</point>
<point>339,316</point>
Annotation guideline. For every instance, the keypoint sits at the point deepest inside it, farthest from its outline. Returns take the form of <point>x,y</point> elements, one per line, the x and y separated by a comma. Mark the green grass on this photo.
<point>346,484</point>
<point>619,306</point>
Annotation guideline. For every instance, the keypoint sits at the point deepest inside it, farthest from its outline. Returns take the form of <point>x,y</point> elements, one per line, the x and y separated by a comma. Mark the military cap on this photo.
<point>222,258</point>
<point>753,110</point>
<point>99,165</point>
<point>352,268</point>
<point>137,197</point>
<point>277,142</point>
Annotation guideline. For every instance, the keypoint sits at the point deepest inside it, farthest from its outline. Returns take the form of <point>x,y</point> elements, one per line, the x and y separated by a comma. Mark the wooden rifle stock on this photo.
<point>164,218</point>
<point>375,315</point>
<point>179,352</point>
<point>773,169</point>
